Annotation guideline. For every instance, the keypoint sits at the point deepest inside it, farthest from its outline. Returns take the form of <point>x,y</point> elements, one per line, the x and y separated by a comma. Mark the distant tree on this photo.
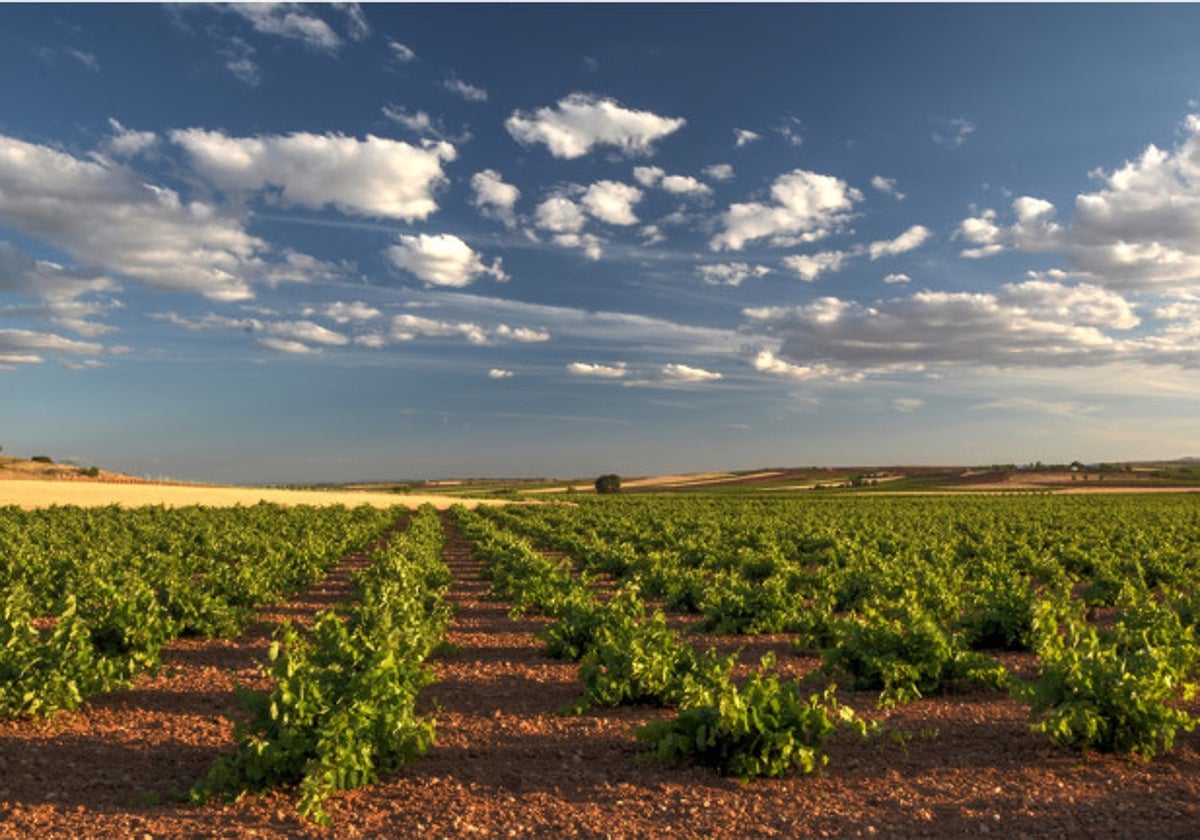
<point>42,459</point>
<point>610,483</point>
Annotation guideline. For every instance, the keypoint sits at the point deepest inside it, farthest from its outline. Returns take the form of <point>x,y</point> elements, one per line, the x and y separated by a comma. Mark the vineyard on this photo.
<point>624,666</point>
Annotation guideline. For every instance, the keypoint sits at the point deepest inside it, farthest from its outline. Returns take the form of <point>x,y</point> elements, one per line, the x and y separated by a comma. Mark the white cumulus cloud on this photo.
<point>612,202</point>
<point>744,137</point>
<point>126,142</point>
<point>110,216</point>
<point>560,214</point>
<point>806,207</point>
<point>685,185</point>
<point>1141,231</point>
<point>495,198</point>
<point>580,122</point>
<point>811,266</point>
<point>371,177</point>
<point>655,176</point>
<point>648,176</point>
<point>442,260</point>
<point>766,361</point>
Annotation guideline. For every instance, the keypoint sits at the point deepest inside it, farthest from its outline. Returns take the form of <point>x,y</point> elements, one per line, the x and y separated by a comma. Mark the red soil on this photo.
<point>506,765</point>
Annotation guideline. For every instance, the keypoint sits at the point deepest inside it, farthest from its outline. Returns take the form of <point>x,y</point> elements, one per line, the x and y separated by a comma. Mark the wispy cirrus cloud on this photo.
<point>718,171</point>
<point>408,327</point>
<point>465,90</point>
<point>343,312</point>
<point>289,21</point>
<point>910,240</point>
<point>887,186</point>
<point>22,347</point>
<point>953,132</point>
<point>596,370</point>
<point>401,52</point>
<point>680,373</point>
<point>731,274</point>
<point>643,334</point>
<point>1032,324</point>
<point>69,298</point>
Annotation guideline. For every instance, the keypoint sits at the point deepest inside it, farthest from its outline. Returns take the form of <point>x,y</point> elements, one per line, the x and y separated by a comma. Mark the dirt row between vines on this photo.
<point>507,765</point>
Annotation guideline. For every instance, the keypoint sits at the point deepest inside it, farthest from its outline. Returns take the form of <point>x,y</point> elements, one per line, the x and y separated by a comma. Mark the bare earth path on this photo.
<point>506,765</point>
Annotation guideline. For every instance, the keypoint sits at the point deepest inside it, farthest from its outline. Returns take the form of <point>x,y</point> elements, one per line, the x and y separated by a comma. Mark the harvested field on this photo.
<point>30,494</point>
<point>506,765</point>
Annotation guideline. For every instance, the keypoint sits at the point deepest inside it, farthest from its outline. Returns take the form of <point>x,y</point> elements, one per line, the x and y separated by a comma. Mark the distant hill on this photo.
<point>43,467</point>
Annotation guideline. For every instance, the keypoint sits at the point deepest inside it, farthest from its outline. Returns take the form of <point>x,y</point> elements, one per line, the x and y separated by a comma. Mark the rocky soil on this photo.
<point>507,765</point>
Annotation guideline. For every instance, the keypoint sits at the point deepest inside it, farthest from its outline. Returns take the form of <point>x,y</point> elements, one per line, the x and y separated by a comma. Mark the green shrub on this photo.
<point>1112,690</point>
<point>905,654</point>
<point>763,728</point>
<point>634,661</point>
<point>580,617</point>
<point>736,606</point>
<point>42,672</point>
<point>998,611</point>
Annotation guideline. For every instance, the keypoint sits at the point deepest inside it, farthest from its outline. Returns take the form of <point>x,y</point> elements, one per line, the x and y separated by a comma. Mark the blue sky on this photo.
<point>283,243</point>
